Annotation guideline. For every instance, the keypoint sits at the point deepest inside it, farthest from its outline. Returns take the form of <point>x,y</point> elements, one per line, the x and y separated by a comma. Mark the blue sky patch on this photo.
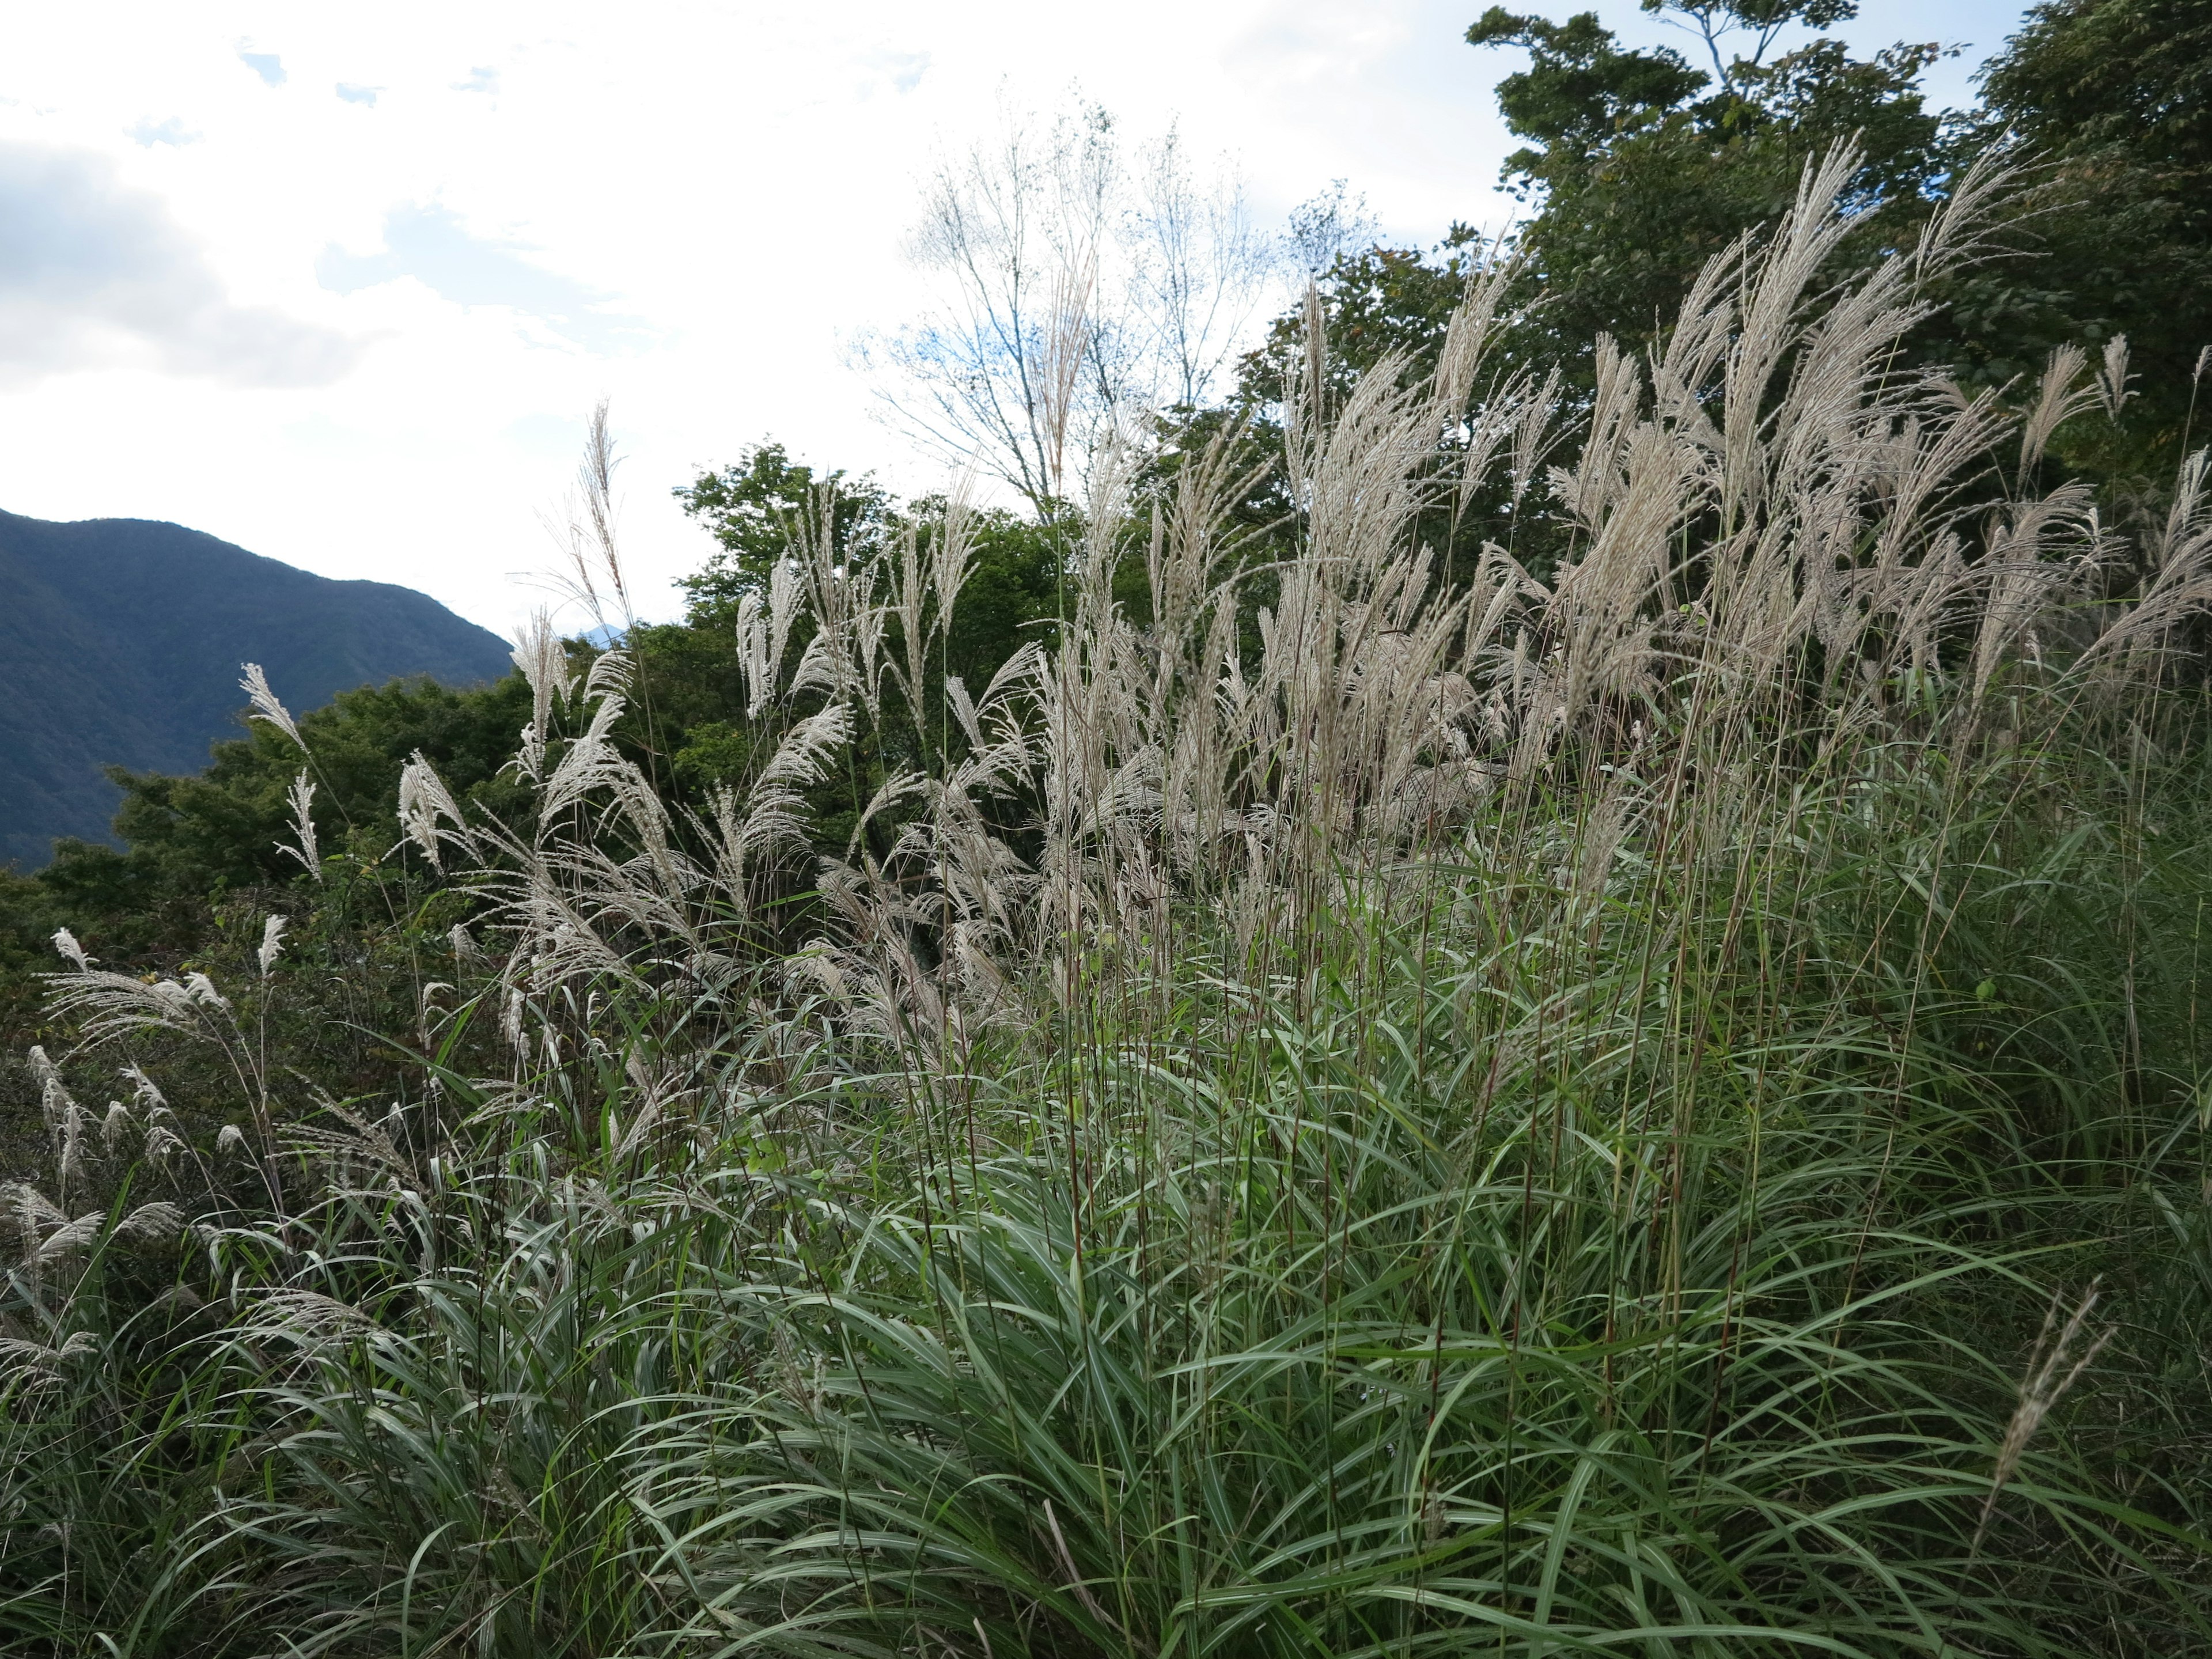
<point>431,246</point>
<point>150,133</point>
<point>266,64</point>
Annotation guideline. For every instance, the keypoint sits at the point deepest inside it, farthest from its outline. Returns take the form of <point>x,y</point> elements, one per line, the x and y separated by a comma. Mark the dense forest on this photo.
<point>1517,970</point>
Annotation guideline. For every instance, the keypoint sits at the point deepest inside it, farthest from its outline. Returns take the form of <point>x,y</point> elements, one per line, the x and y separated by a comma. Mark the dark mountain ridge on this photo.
<point>121,641</point>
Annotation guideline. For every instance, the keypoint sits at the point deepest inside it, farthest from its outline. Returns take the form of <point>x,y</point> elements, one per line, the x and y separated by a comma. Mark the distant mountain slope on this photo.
<point>120,641</point>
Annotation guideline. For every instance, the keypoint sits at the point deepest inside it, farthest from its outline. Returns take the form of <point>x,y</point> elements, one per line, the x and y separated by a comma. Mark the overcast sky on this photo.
<point>340,283</point>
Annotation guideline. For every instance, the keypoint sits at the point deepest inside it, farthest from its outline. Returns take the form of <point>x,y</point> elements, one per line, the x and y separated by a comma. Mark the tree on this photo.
<point>1077,289</point>
<point>759,506</point>
<point>2114,99</point>
<point>1640,166</point>
<point>1713,20</point>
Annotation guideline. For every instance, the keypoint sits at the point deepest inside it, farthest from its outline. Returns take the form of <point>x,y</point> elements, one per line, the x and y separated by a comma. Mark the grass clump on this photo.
<point>1649,1107</point>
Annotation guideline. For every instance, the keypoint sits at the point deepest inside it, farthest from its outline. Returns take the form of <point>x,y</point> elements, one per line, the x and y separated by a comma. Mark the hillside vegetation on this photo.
<point>1501,1001</point>
<point>124,638</point>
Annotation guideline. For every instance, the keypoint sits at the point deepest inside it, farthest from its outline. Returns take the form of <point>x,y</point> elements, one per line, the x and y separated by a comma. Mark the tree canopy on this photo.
<point>2112,100</point>
<point>1640,166</point>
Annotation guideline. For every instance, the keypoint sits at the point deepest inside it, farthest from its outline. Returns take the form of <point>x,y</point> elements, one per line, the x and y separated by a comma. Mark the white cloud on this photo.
<point>91,271</point>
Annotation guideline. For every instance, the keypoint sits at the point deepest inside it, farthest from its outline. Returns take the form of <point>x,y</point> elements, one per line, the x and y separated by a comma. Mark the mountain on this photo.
<point>120,641</point>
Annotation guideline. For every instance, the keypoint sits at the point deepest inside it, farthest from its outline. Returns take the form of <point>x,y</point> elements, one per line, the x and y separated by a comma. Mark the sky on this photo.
<point>341,284</point>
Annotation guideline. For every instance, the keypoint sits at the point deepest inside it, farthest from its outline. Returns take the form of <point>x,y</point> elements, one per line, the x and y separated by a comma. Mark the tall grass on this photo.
<point>1649,1107</point>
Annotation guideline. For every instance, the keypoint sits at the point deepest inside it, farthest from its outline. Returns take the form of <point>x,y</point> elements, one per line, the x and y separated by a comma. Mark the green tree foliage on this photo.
<point>1639,164</point>
<point>2114,99</point>
<point>1641,167</point>
<point>767,510</point>
<point>1385,300</point>
<point>225,826</point>
<point>197,848</point>
<point>1637,167</point>
<point>757,506</point>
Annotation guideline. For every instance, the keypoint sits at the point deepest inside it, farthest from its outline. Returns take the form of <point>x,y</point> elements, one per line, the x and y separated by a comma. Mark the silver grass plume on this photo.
<point>265,705</point>
<point>144,1091</point>
<point>423,800</point>
<point>756,666</point>
<point>54,1099</point>
<point>2061,396</point>
<point>73,1119</point>
<point>2052,1369</point>
<point>2113,378</point>
<point>585,527</point>
<point>272,943</point>
<point>307,851</point>
<point>609,676</point>
<point>544,661</point>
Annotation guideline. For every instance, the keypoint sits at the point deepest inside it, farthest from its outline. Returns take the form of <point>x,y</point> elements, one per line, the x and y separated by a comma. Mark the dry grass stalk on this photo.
<point>2053,1367</point>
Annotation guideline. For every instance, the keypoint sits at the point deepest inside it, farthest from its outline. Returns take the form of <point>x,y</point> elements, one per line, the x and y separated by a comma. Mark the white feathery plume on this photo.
<point>151,1223</point>
<point>265,705</point>
<point>2053,1366</point>
<point>143,1090</point>
<point>2061,397</point>
<point>424,799</point>
<point>272,942</point>
<point>753,662</point>
<point>786,599</point>
<point>308,851</point>
<point>33,1214</point>
<point>544,661</point>
<point>799,759</point>
<point>609,675</point>
<point>66,942</point>
<point>53,1094</point>
<point>952,552</point>
<point>2113,379</point>
<point>529,760</point>
<point>74,1119</point>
